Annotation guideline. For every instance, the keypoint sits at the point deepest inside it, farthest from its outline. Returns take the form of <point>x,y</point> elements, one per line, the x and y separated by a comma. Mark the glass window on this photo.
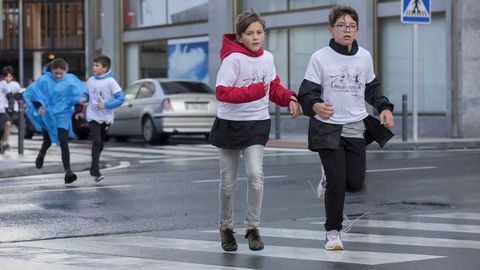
<point>304,41</point>
<point>180,11</point>
<point>153,59</point>
<point>292,48</point>
<point>283,5</point>
<point>146,90</point>
<point>131,92</point>
<point>265,6</point>
<point>185,87</point>
<point>144,13</point>
<point>396,63</point>
<point>295,4</point>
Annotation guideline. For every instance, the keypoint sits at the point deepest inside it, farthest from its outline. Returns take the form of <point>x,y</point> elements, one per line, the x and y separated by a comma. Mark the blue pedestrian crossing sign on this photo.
<point>416,11</point>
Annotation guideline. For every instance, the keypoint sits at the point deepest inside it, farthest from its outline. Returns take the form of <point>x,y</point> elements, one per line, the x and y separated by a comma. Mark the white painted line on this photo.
<point>284,252</point>
<point>164,264</point>
<point>240,178</point>
<point>122,165</point>
<point>369,238</point>
<point>82,188</point>
<point>403,169</point>
<point>421,226</point>
<point>154,151</point>
<point>214,157</point>
<point>283,149</point>
<point>178,159</point>
<point>457,215</point>
<point>187,148</point>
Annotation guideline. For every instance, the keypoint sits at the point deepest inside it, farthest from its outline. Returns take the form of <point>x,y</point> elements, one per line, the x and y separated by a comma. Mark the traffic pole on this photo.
<point>21,125</point>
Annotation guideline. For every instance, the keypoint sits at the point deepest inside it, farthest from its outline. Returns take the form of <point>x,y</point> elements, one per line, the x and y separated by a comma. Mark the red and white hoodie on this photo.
<point>240,83</point>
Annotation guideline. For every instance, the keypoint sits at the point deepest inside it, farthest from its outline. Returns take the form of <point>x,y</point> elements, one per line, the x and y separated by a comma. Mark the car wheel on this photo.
<point>149,131</point>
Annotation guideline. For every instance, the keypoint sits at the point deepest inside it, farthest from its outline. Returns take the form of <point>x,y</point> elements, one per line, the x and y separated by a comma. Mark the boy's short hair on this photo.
<point>102,60</point>
<point>341,11</point>
<point>8,70</point>
<point>245,19</point>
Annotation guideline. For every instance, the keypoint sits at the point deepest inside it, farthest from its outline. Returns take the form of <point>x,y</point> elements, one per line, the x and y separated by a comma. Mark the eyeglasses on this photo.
<point>344,27</point>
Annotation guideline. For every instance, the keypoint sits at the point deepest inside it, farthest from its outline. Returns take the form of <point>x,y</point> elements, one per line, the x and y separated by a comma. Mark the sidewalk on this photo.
<point>301,141</point>
<point>13,164</point>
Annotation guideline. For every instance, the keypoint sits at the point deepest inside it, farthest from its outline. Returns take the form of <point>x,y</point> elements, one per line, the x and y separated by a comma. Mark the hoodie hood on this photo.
<point>104,76</point>
<point>230,45</point>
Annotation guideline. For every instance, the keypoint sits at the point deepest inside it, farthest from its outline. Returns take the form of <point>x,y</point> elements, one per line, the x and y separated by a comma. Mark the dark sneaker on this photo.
<point>255,242</point>
<point>6,147</point>
<point>39,161</point>
<point>70,177</point>
<point>228,240</point>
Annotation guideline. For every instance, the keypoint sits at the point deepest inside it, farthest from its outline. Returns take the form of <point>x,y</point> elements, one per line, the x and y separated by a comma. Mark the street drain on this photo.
<point>417,205</point>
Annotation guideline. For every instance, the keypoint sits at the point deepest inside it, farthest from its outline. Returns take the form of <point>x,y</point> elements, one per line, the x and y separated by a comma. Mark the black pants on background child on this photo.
<point>97,133</point>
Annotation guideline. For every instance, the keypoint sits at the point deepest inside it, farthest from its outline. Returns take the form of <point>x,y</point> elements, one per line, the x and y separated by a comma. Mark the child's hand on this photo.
<point>41,111</point>
<point>293,107</point>
<point>266,86</point>
<point>100,106</point>
<point>324,110</point>
<point>386,118</point>
<point>83,102</point>
<point>79,116</point>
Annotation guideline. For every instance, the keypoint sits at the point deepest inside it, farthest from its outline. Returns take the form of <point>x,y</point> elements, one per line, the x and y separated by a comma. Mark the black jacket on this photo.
<point>327,136</point>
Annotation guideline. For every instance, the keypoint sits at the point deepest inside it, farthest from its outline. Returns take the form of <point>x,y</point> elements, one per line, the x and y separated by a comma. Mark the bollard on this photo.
<point>277,122</point>
<point>404,118</point>
<point>21,125</point>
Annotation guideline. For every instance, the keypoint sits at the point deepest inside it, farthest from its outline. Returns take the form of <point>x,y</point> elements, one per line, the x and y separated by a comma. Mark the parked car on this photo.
<point>158,108</point>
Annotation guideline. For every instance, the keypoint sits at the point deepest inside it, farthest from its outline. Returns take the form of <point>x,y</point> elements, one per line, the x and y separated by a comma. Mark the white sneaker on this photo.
<point>322,186</point>
<point>333,241</point>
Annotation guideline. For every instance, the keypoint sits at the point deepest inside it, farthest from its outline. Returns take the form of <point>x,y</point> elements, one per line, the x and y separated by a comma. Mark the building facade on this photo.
<point>182,39</point>
<point>50,29</point>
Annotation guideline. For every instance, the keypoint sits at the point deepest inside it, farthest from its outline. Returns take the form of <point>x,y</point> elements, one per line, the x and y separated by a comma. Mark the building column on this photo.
<point>112,35</point>
<point>132,57</point>
<point>37,65</point>
<point>220,14</point>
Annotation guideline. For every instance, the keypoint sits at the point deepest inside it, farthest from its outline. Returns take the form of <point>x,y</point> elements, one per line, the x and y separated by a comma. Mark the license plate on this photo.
<point>197,106</point>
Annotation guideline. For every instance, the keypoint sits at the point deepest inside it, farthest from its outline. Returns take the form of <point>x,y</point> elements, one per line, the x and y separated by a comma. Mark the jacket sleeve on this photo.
<point>279,94</point>
<point>375,97</point>
<point>309,94</point>
<point>236,95</point>
<point>116,101</point>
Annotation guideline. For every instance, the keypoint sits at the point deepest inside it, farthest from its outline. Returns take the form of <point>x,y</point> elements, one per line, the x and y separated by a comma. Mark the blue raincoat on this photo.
<point>57,98</point>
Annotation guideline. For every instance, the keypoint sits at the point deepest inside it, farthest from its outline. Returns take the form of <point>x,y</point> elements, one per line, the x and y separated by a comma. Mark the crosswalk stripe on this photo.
<point>369,238</point>
<point>410,225</point>
<point>154,151</point>
<point>240,178</point>
<point>285,252</point>
<point>456,215</point>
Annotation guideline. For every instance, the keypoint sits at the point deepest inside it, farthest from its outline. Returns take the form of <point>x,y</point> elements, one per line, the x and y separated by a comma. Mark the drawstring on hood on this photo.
<point>231,45</point>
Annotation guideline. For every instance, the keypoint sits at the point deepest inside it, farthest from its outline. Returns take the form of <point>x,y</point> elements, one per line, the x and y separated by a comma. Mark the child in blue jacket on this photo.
<point>50,104</point>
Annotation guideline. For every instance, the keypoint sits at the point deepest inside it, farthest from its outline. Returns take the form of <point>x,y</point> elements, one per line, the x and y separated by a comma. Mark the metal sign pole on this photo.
<point>414,82</point>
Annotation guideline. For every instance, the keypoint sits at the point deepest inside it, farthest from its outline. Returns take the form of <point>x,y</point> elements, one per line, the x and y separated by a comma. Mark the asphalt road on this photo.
<point>419,210</point>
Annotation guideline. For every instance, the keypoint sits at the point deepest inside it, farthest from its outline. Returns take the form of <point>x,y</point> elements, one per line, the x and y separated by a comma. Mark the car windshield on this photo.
<point>185,87</point>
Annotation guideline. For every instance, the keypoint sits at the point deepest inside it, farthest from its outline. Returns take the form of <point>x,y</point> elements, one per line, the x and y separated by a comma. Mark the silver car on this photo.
<point>158,108</point>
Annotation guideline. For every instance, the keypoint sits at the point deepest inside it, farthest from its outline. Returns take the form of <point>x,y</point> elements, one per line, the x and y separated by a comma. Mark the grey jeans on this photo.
<point>229,162</point>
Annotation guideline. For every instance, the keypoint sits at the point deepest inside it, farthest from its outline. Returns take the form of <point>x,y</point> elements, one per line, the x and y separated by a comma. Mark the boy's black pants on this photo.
<point>97,132</point>
<point>63,141</point>
<point>345,171</point>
